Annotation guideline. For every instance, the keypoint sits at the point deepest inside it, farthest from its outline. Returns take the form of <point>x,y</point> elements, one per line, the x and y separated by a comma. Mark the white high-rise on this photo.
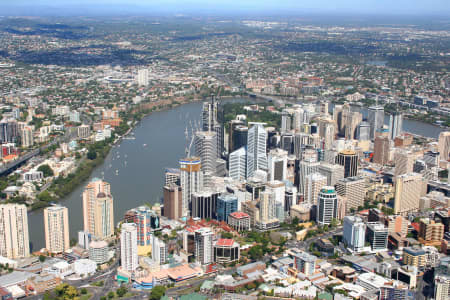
<point>191,179</point>
<point>395,125</point>
<point>277,164</point>
<point>333,172</point>
<point>376,119</point>
<point>204,246</point>
<point>206,148</point>
<point>307,167</point>
<point>256,149</point>
<point>314,183</point>
<point>159,251</point>
<point>285,121</point>
<point>142,77</point>
<point>327,204</point>
<point>354,233</point>
<point>298,118</point>
<point>27,137</point>
<point>56,228</point>
<point>128,247</point>
<point>444,145</point>
<point>238,164</point>
<point>14,239</point>
<point>267,206</point>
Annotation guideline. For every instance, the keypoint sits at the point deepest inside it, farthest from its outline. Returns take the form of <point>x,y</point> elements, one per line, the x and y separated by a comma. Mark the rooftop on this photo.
<point>239,215</point>
<point>225,242</point>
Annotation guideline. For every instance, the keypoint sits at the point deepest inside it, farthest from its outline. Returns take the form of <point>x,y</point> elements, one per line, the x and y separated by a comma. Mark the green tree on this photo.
<point>92,155</point>
<point>42,258</point>
<point>111,295</point>
<point>46,170</point>
<point>121,291</point>
<point>83,291</point>
<point>157,292</point>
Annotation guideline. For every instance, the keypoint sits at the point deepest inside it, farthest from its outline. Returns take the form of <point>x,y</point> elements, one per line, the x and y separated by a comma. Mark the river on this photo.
<point>159,143</point>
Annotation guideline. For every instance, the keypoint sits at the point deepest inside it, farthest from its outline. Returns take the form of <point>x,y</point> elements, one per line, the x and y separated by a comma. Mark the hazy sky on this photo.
<point>293,6</point>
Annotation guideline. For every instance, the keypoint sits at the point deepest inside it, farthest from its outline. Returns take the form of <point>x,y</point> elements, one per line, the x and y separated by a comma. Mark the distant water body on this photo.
<point>135,167</point>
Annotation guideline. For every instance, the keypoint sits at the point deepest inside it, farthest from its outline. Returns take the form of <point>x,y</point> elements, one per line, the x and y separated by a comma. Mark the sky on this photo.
<point>373,7</point>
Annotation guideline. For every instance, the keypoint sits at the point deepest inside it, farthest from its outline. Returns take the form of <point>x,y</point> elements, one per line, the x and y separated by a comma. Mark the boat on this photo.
<point>117,172</point>
<point>145,145</point>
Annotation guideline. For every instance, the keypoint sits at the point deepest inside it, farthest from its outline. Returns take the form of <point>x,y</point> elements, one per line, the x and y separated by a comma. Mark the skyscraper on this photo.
<point>191,178</point>
<point>354,190</point>
<point>14,239</point>
<point>314,183</point>
<point>327,205</point>
<point>395,125</point>
<point>226,204</point>
<point>212,117</point>
<point>376,119</point>
<point>56,228</point>
<point>98,212</point>
<point>332,172</point>
<point>256,149</point>
<point>173,203</point>
<point>203,238</point>
<point>205,148</point>
<point>204,204</point>
<point>298,118</point>
<point>408,189</point>
<point>363,132</point>
<point>142,77</point>
<point>354,233</point>
<point>237,135</point>
<point>377,236</point>
<point>277,164</point>
<point>146,221</point>
<point>381,150</point>
<point>444,145</point>
<point>8,131</point>
<point>27,137</point>
<point>238,164</point>
<point>285,121</point>
<point>128,247</point>
<point>404,162</point>
<point>266,206</point>
<point>348,159</point>
<point>307,167</point>
<point>159,251</point>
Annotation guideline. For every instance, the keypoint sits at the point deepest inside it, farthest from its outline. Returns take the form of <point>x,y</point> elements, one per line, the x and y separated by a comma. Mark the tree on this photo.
<point>157,292</point>
<point>42,258</point>
<point>121,291</point>
<point>83,291</point>
<point>111,295</point>
<point>46,170</point>
<point>91,155</point>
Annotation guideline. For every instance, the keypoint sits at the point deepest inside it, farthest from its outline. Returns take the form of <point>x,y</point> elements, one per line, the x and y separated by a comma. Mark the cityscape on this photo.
<point>235,151</point>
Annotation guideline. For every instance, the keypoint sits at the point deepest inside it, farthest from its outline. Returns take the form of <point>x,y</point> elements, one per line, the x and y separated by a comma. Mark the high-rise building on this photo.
<point>128,247</point>
<point>442,280</point>
<point>27,137</point>
<point>98,212</point>
<point>256,149</point>
<point>173,203</point>
<point>172,175</point>
<point>142,77</point>
<point>348,159</point>
<point>305,263</point>
<point>301,140</point>
<point>332,172</point>
<point>353,189</point>
<point>205,148</point>
<point>351,121</point>
<point>267,206</point>
<point>204,246</point>
<point>307,167</point>
<point>408,189</point>
<point>444,145</point>
<point>298,118</point>
<point>363,132</point>
<point>191,178</point>
<point>376,119</point>
<point>147,221</point>
<point>381,150</point>
<point>212,117</point>
<point>159,251</point>
<point>14,239</point>
<point>377,236</point>
<point>237,135</point>
<point>314,183</point>
<point>395,125</point>
<point>8,131</point>
<point>396,290</point>
<point>327,205</point>
<point>354,233</point>
<point>290,198</point>
<point>56,228</point>
<point>204,204</point>
<point>404,162</point>
<point>277,164</point>
<point>238,164</point>
<point>429,230</point>
<point>226,204</point>
<point>285,121</point>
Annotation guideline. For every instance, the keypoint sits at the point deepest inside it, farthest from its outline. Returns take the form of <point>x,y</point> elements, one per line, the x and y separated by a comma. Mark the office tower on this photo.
<point>354,190</point>
<point>381,150</point>
<point>442,280</point>
<point>191,179</point>
<point>204,246</point>
<point>377,236</point>
<point>351,121</point>
<point>235,138</point>
<point>267,206</point>
<point>327,205</point>
<point>290,198</point>
<point>204,204</point>
<point>431,158</point>
<point>14,240</point>
<point>430,231</point>
<point>226,204</point>
<point>277,164</point>
<point>327,132</point>
<point>337,117</point>
<point>363,132</point>
<point>98,212</point>
<point>8,131</point>
<point>314,183</point>
<point>285,121</point>
<point>332,172</point>
<point>205,148</point>
<point>354,233</point>
<point>397,224</point>
<point>256,149</point>
<point>395,125</point>
<point>238,164</point>
<point>172,175</point>
<point>142,78</point>
<point>305,263</point>
<point>396,290</point>
<point>375,118</point>
<point>287,142</point>
<point>56,229</point>
<point>404,162</point>
<point>128,247</point>
<point>160,253</point>
<point>307,167</point>
<point>146,221</point>
<point>84,238</point>
<point>212,117</point>
<point>27,137</point>
<point>408,189</point>
<point>348,159</point>
<point>444,145</point>
<point>173,202</point>
<point>323,107</point>
<point>300,141</point>
<point>298,118</point>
